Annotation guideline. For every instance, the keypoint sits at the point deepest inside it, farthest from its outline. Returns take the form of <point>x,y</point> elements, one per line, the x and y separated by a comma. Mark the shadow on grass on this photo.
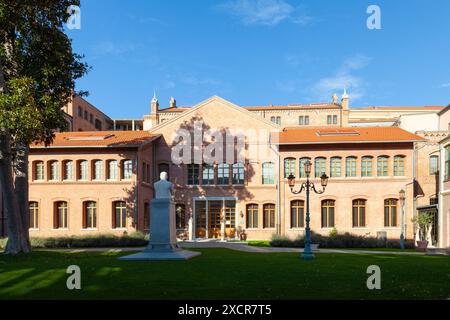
<point>224,274</point>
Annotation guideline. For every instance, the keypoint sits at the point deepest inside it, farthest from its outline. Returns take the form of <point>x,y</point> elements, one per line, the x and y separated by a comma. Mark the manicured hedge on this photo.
<point>135,239</point>
<point>345,240</point>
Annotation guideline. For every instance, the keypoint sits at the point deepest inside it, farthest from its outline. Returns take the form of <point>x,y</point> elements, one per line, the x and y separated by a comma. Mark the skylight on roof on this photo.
<point>90,138</point>
<point>337,132</point>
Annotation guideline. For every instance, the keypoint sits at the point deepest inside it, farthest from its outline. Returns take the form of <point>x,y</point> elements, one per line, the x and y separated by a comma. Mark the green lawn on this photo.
<point>225,274</point>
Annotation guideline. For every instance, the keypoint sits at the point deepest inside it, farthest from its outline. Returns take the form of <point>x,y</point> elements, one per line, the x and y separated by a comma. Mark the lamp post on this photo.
<point>402,197</point>
<point>308,186</point>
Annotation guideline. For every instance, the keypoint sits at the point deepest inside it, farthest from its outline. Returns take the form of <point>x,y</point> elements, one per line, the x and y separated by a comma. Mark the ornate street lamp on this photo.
<point>402,197</point>
<point>308,186</point>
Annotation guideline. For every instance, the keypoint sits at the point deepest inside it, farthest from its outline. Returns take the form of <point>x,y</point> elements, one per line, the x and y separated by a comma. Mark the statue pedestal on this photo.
<point>163,235</point>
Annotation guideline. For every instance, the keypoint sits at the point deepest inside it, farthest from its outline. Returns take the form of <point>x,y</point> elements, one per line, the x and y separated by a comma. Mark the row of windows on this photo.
<point>328,209</point>
<point>447,163</point>
<point>304,120</point>
<point>89,117</point>
<point>82,170</point>
<point>61,216</point>
<point>224,173</point>
<point>350,166</point>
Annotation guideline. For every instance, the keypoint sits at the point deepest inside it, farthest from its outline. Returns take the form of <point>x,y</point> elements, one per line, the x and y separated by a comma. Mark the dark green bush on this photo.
<point>135,239</point>
<point>337,241</point>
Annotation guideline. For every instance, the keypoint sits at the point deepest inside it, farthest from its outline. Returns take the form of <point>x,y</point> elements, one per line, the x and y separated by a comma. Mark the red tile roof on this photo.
<point>400,108</point>
<point>320,135</point>
<point>100,139</point>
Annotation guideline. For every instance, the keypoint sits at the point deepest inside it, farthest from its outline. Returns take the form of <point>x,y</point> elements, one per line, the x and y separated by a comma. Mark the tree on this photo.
<point>38,70</point>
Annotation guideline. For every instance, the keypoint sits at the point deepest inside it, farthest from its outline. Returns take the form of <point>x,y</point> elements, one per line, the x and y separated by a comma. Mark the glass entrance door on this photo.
<point>215,219</point>
<point>230,219</point>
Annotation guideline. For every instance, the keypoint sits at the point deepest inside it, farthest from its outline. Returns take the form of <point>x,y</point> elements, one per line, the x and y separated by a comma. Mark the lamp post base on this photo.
<point>308,256</point>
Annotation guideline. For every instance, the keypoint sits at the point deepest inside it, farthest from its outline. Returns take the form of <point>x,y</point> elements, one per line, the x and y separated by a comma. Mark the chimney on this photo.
<point>172,102</point>
<point>345,101</point>
<point>154,105</point>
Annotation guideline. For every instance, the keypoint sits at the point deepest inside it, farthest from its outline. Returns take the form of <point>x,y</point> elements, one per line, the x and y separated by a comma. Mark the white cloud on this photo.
<point>445,85</point>
<point>264,12</point>
<point>343,77</point>
<point>111,48</point>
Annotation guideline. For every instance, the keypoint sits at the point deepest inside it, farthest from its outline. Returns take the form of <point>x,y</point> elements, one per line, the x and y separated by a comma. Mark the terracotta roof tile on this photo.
<point>321,135</point>
<point>106,139</point>
<point>400,108</point>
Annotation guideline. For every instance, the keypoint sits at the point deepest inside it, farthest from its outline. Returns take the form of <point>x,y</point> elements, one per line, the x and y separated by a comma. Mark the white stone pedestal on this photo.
<point>163,237</point>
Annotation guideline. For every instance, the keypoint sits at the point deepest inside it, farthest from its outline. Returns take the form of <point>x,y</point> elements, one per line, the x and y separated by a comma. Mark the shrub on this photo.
<point>345,240</point>
<point>135,239</point>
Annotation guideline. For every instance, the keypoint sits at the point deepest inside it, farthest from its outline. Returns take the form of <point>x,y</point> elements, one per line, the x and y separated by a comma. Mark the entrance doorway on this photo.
<point>215,218</point>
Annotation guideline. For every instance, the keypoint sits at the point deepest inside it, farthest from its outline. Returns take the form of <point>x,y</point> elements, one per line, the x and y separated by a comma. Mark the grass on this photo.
<point>224,274</point>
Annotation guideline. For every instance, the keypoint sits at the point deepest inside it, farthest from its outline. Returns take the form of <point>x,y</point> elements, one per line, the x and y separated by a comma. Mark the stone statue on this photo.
<point>163,188</point>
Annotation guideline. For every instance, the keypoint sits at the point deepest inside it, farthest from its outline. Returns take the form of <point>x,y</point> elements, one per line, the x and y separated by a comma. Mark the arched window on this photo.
<point>268,173</point>
<point>113,170</point>
<point>98,170</point>
<point>90,215</point>
<point>335,167</point>
<point>34,215</point>
<point>238,173</point>
<point>390,212</point>
<point>83,170</point>
<point>302,163</point>
<point>383,166</point>
<point>60,215</point>
<point>289,167</point>
<point>68,170</point>
<point>399,165</point>
<point>328,210</point>
<point>54,170</point>
<point>319,166</point>
<point>252,216</point>
<point>180,217</point>
<point>39,170</point>
<point>297,214</point>
<point>127,169</point>
<point>366,166</point>
<point>359,213</point>
<point>434,165</point>
<point>119,219</point>
<point>350,167</point>
<point>223,173</point>
<point>269,216</point>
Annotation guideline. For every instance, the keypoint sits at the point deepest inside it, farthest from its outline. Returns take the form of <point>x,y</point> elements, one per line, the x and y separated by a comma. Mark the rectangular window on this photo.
<point>306,120</point>
<point>302,163</point>
<point>208,174</point>
<point>335,118</point>
<point>268,173</point>
<point>68,170</point>
<point>120,215</point>
<point>223,174</point>
<point>301,120</point>
<point>366,167</point>
<point>383,166</point>
<point>80,112</point>
<point>350,167</point>
<point>60,221</point>
<point>193,174</point>
<point>85,115</point>
<point>54,171</point>
<point>335,166</point>
<point>329,119</point>
<point>434,165</point>
<point>447,163</point>
<point>91,118</point>
<point>90,215</point>
<point>238,173</point>
<point>34,215</point>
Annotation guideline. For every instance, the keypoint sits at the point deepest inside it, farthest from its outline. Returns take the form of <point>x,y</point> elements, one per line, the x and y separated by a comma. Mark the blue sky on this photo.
<point>260,52</point>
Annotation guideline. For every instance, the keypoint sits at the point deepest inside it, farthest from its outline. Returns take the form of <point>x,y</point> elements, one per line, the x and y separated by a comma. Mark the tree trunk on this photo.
<point>21,191</point>
<point>16,243</point>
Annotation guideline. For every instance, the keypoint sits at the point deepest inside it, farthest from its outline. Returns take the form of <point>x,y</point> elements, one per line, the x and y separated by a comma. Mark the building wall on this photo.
<point>444,120</point>
<point>134,192</point>
<point>88,111</point>
<point>346,189</point>
<point>425,121</point>
<point>444,206</point>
